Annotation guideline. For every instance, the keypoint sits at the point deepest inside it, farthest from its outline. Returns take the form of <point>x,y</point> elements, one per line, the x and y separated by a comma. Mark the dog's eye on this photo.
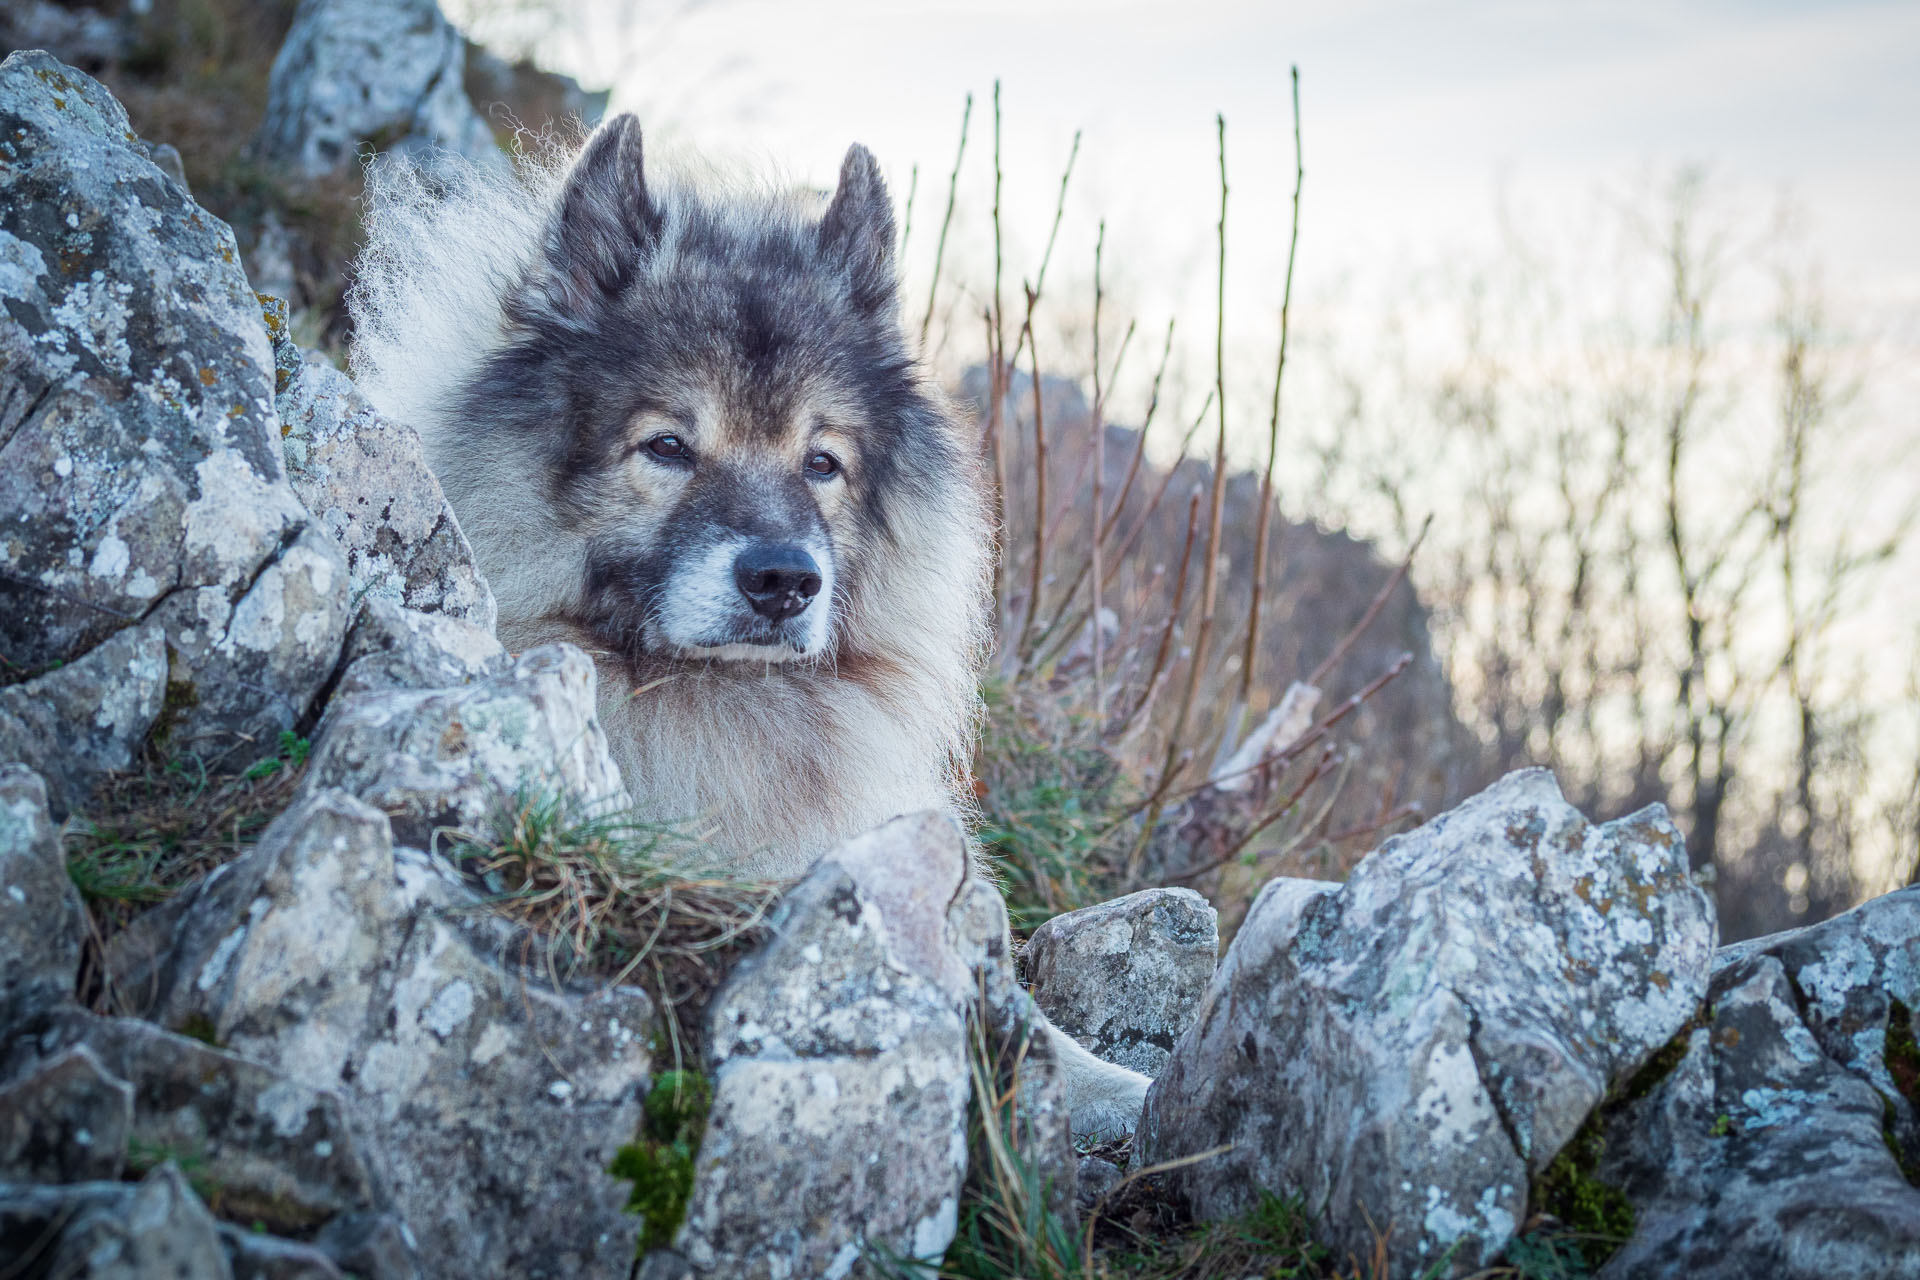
<point>823,464</point>
<point>669,447</point>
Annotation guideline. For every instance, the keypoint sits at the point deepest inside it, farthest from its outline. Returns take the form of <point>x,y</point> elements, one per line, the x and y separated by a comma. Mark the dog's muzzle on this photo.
<point>750,598</point>
<point>778,579</point>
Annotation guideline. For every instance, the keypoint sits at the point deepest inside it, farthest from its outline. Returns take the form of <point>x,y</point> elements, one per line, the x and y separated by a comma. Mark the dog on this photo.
<point>682,428</point>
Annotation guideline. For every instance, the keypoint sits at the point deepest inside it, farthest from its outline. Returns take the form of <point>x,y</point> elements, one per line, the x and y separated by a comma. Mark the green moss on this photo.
<point>1660,1065</point>
<point>1902,1056</point>
<point>1598,1217</point>
<point>659,1162</point>
<point>181,697</point>
<point>198,1026</point>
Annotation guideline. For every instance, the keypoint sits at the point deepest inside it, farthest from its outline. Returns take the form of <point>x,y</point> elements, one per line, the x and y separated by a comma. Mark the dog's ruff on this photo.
<point>680,426</point>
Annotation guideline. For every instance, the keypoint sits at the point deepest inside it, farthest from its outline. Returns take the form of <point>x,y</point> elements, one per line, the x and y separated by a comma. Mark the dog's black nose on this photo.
<point>777,578</point>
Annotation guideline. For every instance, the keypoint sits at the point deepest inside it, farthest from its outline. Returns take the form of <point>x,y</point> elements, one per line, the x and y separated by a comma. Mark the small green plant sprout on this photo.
<point>1594,1218</point>
<point>160,826</point>
<point>292,753</point>
<point>659,1162</point>
<point>1722,1125</point>
<point>1545,1255</point>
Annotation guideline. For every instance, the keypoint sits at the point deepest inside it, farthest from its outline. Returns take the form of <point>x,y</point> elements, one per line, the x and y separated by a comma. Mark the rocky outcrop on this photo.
<point>41,921</point>
<point>392,647</point>
<point>348,965</point>
<point>87,719</point>
<point>1125,978</point>
<point>113,1230</point>
<point>450,759</point>
<point>840,1065</point>
<point>366,479</point>
<point>140,466</point>
<point>67,1120</point>
<point>384,73</point>
<point>1780,1143</point>
<point>1408,1049</point>
<point>333,1056</point>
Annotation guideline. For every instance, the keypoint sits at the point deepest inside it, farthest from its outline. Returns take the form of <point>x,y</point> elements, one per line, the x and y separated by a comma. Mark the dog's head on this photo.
<point>727,416</point>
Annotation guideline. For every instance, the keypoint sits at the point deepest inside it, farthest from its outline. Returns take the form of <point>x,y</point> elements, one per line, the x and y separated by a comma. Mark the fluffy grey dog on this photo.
<point>682,428</point>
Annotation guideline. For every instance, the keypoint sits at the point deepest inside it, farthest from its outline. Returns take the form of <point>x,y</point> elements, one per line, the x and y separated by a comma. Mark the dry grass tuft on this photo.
<point>162,825</point>
<point>611,894</point>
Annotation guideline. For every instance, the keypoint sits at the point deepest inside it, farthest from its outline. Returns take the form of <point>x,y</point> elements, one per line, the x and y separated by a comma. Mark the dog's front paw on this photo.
<point>1104,1105</point>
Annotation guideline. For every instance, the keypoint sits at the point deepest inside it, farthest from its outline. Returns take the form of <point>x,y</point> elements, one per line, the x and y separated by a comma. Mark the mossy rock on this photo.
<point>659,1162</point>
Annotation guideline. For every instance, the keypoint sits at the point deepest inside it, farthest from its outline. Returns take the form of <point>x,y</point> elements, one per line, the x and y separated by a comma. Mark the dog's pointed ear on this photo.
<point>857,231</point>
<point>605,223</point>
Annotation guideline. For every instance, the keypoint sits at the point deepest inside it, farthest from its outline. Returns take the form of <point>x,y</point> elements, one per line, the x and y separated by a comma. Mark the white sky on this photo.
<point>1415,113</point>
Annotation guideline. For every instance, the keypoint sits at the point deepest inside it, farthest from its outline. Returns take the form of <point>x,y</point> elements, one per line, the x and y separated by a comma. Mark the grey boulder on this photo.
<point>452,759</point>
<point>393,647</point>
<point>1407,1049</point>
<point>67,1119</point>
<point>1857,982</point>
<point>1125,978</point>
<point>372,973</point>
<point>279,1151</point>
<point>839,1058</point>
<point>113,1230</point>
<point>42,924</point>
<point>140,470</point>
<point>366,481</point>
<point>87,719</point>
<point>383,72</point>
<point>1775,1146</point>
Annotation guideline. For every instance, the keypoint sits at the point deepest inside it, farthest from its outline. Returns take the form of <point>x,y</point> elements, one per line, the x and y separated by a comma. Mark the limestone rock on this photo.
<point>365,479</point>
<point>1097,1180</point>
<point>1770,1149</point>
<point>82,36</point>
<point>382,72</point>
<point>260,1257</point>
<point>839,1058</point>
<point>450,758</point>
<point>113,1230</point>
<point>1407,1048</point>
<point>140,471</point>
<point>392,647</point>
<point>349,966</point>
<point>1857,978</point>
<point>80,722</point>
<point>839,1068</point>
<point>279,1151</point>
<point>67,1120</point>
<point>1125,978</point>
<point>372,1246</point>
<point>41,921</point>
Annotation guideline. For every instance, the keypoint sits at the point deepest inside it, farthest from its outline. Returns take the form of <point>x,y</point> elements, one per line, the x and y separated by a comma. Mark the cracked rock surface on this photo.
<point>113,1230</point>
<point>42,923</point>
<point>365,479</point>
<point>140,464</point>
<point>1776,1146</point>
<point>1409,1047</point>
<point>388,72</point>
<point>1125,977</point>
<point>352,967</point>
<point>450,758</point>
<point>838,1055</point>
